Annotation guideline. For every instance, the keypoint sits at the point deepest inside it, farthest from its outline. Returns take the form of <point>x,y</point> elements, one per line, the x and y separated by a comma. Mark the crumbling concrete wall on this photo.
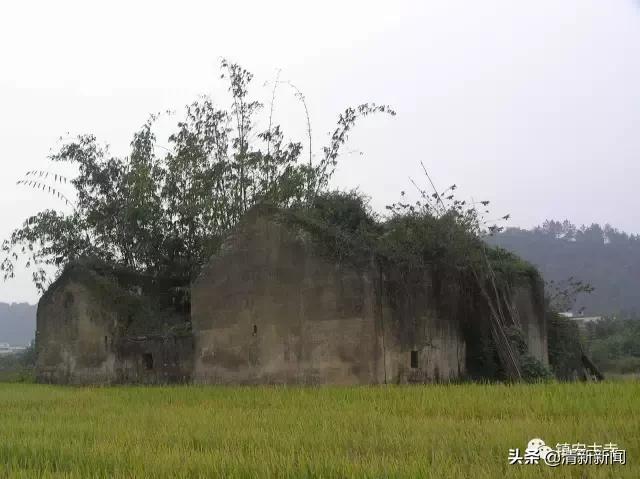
<point>528,303</point>
<point>270,309</point>
<point>75,333</point>
<point>423,334</point>
<point>87,328</point>
<point>154,359</point>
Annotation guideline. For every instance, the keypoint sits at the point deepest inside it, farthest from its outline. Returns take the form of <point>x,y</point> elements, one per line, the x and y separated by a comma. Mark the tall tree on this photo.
<point>162,210</point>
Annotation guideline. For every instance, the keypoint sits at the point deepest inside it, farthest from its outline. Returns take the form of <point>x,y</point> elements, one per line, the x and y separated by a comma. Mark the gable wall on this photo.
<point>74,337</point>
<point>81,336</point>
<point>268,310</point>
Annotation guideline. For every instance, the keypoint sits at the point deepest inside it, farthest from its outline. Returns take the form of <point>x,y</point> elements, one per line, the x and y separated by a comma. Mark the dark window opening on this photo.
<point>414,359</point>
<point>106,342</point>
<point>68,300</point>
<point>147,359</point>
<point>255,330</point>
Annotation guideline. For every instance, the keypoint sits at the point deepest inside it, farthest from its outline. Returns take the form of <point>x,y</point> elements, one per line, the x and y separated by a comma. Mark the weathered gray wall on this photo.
<point>74,335</point>
<point>82,335</point>
<point>153,359</point>
<point>270,309</point>
<point>528,302</point>
<point>417,316</point>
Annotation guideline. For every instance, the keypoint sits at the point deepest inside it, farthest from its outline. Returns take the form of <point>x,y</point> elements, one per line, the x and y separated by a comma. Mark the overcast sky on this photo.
<point>534,105</point>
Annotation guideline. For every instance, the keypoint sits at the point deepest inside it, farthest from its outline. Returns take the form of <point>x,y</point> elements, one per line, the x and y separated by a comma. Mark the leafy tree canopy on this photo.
<point>162,210</point>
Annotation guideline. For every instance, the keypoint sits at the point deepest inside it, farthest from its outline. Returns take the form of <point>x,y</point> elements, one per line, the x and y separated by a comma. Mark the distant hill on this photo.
<point>603,256</point>
<point>17,323</point>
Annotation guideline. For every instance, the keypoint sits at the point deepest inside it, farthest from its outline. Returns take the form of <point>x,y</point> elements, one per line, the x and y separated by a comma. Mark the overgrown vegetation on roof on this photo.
<point>444,239</point>
<point>144,305</point>
<point>343,226</point>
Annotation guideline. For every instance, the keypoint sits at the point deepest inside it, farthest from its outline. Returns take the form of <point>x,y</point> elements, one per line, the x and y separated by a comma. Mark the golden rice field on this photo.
<point>420,431</point>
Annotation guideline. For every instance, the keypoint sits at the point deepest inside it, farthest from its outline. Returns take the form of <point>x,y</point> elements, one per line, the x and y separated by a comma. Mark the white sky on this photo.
<point>534,105</point>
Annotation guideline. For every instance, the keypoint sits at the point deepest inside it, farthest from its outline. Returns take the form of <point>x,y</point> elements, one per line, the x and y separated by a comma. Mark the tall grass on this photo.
<point>434,431</point>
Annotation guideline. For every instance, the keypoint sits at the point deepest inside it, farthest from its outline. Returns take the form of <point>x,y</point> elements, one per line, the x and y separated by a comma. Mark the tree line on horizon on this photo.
<point>602,256</point>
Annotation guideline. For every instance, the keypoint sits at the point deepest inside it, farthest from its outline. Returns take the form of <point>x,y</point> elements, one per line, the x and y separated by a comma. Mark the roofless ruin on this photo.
<point>274,307</point>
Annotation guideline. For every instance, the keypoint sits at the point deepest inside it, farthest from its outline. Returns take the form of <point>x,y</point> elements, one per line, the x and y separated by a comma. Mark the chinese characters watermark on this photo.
<point>537,452</point>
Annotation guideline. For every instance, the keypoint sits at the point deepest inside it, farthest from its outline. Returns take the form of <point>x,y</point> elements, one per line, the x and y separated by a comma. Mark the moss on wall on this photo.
<point>565,351</point>
<point>143,305</point>
<point>457,262</point>
<point>423,272</point>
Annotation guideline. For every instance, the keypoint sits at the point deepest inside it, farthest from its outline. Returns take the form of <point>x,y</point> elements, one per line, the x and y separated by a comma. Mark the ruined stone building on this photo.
<point>271,308</point>
<point>97,326</point>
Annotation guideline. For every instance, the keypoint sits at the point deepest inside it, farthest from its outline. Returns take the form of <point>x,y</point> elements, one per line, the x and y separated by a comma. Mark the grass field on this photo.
<point>426,431</point>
